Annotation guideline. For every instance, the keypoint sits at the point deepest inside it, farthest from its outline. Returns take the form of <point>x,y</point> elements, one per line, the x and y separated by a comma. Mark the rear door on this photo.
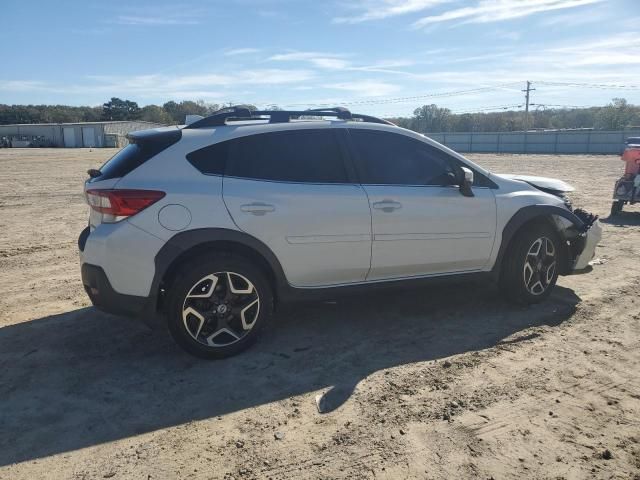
<point>422,224</point>
<point>293,191</point>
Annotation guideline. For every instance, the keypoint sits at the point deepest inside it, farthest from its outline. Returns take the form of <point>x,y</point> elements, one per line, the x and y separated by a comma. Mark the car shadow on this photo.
<point>83,377</point>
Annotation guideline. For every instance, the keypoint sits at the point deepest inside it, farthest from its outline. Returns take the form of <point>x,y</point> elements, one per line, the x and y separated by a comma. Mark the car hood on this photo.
<point>543,183</point>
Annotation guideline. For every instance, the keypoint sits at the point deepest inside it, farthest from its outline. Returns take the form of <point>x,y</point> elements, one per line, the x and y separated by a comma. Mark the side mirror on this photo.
<point>466,182</point>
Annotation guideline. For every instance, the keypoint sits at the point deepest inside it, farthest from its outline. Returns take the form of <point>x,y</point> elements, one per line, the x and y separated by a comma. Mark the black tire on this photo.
<point>616,208</point>
<point>193,278</point>
<point>513,280</point>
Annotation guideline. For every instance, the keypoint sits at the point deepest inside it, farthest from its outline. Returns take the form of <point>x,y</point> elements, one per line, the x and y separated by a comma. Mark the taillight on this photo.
<point>118,204</point>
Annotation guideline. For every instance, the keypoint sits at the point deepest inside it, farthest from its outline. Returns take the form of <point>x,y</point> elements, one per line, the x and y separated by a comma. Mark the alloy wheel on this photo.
<point>539,266</point>
<point>221,309</point>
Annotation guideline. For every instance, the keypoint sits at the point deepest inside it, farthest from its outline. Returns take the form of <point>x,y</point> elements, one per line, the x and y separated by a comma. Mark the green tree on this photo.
<point>117,109</point>
<point>179,111</point>
<point>615,116</point>
<point>462,123</point>
<point>155,114</point>
<point>431,118</point>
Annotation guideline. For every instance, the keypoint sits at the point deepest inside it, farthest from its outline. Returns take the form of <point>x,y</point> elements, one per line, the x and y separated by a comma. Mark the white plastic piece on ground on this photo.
<point>594,235</point>
<point>320,404</point>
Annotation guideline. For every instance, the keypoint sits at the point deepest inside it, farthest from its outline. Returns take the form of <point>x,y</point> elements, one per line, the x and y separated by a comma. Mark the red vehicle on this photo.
<point>627,189</point>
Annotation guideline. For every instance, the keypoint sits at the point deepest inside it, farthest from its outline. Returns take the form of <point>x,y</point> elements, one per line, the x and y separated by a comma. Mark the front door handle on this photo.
<point>387,205</point>
<point>257,208</point>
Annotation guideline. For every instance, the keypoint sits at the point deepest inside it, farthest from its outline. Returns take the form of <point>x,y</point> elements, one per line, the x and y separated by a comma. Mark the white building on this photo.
<point>81,134</point>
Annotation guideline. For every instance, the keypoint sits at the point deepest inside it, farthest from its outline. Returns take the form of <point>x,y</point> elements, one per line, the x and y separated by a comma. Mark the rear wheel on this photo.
<point>530,270</point>
<point>219,305</point>
<point>616,207</point>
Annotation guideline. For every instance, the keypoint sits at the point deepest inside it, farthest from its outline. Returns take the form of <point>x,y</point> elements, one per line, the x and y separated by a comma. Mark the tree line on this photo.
<point>617,115</point>
<point>170,113</point>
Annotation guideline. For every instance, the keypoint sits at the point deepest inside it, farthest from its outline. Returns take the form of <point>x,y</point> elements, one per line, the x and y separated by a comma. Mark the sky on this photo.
<point>380,57</point>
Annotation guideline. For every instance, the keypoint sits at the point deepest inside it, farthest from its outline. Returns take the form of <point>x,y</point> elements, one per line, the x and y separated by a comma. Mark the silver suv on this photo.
<point>206,227</point>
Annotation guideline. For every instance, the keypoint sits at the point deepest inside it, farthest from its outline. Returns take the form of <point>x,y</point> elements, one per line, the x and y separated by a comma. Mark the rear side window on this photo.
<point>393,159</point>
<point>211,160</point>
<point>311,156</point>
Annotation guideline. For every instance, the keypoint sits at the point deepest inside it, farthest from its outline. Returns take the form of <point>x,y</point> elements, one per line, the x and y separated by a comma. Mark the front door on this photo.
<point>422,224</point>
<point>291,190</point>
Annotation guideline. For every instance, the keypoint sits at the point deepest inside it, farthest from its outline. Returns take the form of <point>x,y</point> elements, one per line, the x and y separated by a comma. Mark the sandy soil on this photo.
<point>441,383</point>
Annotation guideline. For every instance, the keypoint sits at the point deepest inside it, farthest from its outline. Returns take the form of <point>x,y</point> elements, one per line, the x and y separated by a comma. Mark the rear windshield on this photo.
<point>144,145</point>
<point>122,162</point>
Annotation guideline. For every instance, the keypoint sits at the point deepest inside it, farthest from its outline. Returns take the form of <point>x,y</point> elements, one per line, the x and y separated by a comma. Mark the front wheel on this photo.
<point>218,305</point>
<point>530,269</point>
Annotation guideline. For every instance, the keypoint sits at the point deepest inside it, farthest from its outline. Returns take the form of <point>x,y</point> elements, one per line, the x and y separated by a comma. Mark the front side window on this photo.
<point>392,159</point>
<point>312,156</point>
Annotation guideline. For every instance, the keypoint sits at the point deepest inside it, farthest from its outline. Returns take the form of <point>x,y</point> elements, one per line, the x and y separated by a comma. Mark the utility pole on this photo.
<point>526,108</point>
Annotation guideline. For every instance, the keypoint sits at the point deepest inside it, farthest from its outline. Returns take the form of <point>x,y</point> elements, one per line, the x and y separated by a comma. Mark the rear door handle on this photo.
<point>257,208</point>
<point>387,205</point>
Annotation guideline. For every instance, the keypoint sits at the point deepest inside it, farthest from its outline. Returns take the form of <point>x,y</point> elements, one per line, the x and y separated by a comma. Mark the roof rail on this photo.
<point>242,112</point>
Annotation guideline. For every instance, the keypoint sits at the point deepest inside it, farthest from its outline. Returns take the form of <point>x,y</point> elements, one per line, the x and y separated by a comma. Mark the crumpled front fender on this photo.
<point>573,226</point>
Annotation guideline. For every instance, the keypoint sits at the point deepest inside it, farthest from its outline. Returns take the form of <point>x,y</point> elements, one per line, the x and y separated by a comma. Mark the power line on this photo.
<point>382,101</point>
<point>486,109</point>
<point>602,86</point>
<point>564,106</point>
<point>417,98</point>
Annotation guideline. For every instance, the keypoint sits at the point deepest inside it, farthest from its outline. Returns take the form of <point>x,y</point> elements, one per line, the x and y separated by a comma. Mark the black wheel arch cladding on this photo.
<point>526,215</point>
<point>183,244</point>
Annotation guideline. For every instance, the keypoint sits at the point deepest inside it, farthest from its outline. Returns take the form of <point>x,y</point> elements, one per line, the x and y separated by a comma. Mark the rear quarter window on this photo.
<point>211,160</point>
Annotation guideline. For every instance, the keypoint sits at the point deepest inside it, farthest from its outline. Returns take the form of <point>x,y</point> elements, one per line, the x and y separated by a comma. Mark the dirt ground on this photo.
<point>447,382</point>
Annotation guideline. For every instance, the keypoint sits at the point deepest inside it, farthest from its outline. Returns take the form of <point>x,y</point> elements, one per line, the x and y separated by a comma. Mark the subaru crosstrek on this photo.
<point>205,228</point>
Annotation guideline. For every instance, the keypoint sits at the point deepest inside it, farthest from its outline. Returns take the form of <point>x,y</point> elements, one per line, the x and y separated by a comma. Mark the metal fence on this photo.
<point>577,141</point>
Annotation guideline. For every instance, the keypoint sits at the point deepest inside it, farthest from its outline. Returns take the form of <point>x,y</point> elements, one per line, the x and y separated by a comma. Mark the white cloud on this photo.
<point>570,20</point>
<point>246,77</point>
<point>159,15</point>
<point>329,61</point>
<point>338,61</point>
<point>486,11</point>
<point>240,51</point>
<point>614,50</point>
<point>154,21</point>
<point>365,88</point>
<point>384,66</point>
<point>209,85</point>
<point>21,85</point>
<point>380,9</point>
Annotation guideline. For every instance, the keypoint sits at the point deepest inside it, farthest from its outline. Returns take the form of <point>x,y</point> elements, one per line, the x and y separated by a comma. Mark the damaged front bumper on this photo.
<point>583,240</point>
<point>593,235</point>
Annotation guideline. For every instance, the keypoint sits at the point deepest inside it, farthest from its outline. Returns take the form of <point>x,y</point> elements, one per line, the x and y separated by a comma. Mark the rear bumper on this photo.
<point>105,298</point>
<point>100,289</point>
